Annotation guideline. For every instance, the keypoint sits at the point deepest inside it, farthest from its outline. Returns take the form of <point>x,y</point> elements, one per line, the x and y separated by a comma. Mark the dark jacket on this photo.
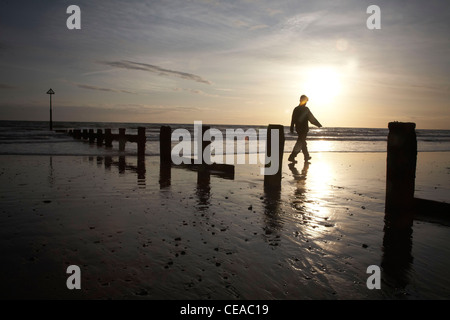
<point>300,118</point>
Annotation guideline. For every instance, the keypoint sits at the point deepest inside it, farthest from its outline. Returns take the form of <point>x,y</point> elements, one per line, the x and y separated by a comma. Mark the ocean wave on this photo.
<point>24,137</point>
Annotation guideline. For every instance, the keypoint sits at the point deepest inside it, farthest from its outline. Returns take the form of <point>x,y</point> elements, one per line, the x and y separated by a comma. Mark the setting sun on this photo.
<point>322,85</point>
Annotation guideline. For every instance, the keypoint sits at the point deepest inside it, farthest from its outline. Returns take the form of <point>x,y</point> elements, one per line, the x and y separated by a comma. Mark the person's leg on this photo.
<point>296,150</point>
<point>304,147</point>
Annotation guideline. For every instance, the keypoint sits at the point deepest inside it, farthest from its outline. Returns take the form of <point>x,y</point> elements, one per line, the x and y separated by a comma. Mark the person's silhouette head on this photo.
<point>303,100</point>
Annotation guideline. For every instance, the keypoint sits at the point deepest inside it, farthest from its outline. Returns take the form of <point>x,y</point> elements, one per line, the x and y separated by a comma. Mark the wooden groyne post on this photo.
<point>275,179</point>
<point>165,145</point>
<point>108,138</point>
<point>99,137</point>
<point>203,168</point>
<point>141,141</point>
<point>91,136</point>
<point>205,143</point>
<point>77,134</point>
<point>400,174</point>
<point>122,139</point>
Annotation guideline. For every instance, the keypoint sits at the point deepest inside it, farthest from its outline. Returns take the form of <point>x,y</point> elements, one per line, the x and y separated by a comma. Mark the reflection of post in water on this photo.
<point>165,172</point>
<point>122,164</point>
<point>50,174</point>
<point>397,257</point>
<point>99,161</point>
<point>203,187</point>
<point>300,178</point>
<point>141,170</point>
<point>272,221</point>
<point>108,162</point>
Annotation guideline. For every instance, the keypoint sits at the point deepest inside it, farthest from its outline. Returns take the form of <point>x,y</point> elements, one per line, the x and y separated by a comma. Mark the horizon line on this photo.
<point>222,124</point>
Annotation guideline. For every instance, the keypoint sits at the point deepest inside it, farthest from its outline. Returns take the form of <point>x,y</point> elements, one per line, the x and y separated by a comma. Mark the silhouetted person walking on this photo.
<point>300,118</point>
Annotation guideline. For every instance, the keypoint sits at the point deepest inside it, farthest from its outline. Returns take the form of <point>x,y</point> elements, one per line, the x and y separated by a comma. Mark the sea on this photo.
<point>35,138</point>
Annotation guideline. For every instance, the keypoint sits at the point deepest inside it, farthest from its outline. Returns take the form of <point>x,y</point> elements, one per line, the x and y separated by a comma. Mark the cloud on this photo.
<point>89,87</point>
<point>272,12</point>
<point>6,86</point>
<point>302,21</point>
<point>196,91</point>
<point>131,65</point>
<point>205,94</point>
<point>136,108</point>
<point>259,27</point>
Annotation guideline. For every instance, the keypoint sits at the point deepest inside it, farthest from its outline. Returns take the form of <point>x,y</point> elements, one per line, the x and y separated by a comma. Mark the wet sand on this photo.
<point>138,233</point>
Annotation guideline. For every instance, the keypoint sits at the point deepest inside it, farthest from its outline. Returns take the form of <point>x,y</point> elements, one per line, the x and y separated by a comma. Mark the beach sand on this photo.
<point>138,233</point>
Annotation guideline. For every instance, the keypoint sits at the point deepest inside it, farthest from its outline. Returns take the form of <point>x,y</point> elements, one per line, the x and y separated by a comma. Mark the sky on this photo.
<point>227,62</point>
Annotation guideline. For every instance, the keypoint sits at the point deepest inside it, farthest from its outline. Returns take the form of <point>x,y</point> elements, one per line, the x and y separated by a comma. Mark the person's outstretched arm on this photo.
<point>313,120</point>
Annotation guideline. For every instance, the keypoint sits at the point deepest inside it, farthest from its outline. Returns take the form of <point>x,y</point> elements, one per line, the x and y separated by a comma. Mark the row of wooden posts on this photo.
<point>401,155</point>
<point>106,138</point>
<point>401,205</point>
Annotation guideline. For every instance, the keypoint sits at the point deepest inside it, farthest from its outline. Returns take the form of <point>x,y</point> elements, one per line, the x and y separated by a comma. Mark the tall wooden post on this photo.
<point>205,143</point>
<point>165,145</point>
<point>91,136</point>
<point>400,174</point>
<point>108,138</point>
<point>99,137</point>
<point>77,134</point>
<point>122,139</point>
<point>165,156</point>
<point>141,140</point>
<point>274,180</point>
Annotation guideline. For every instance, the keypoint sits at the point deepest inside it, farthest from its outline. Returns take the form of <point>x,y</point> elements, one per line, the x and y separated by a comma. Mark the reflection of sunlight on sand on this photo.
<point>321,145</point>
<point>319,178</point>
<point>313,191</point>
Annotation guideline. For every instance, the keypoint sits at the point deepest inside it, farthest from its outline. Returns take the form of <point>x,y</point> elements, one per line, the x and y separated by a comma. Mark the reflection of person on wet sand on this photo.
<point>298,175</point>
<point>300,191</point>
<point>300,118</point>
